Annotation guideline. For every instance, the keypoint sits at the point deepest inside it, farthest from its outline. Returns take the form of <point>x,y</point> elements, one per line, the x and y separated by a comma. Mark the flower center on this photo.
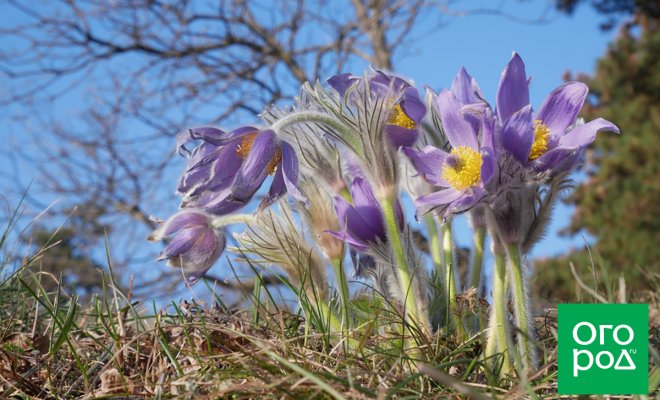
<point>244,148</point>
<point>462,168</point>
<point>540,145</point>
<point>399,118</point>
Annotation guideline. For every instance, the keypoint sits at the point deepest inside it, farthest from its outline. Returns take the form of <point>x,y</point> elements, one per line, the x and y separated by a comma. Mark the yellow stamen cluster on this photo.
<point>540,145</point>
<point>466,169</point>
<point>399,118</point>
<point>244,148</point>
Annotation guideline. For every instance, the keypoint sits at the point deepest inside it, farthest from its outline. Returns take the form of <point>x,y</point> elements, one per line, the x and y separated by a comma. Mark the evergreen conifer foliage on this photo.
<point>618,202</point>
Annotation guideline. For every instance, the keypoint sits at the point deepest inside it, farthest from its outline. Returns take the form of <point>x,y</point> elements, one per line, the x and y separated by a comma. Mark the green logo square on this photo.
<point>603,348</point>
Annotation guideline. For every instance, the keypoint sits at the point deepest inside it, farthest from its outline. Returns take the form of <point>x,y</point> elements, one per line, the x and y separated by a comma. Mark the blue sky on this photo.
<point>481,43</point>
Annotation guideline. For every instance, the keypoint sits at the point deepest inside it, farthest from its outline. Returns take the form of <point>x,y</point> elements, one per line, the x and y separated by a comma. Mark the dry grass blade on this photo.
<point>585,287</point>
<point>452,382</point>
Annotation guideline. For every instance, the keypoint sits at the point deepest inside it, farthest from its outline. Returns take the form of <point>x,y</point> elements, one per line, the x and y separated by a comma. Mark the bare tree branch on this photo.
<point>101,88</point>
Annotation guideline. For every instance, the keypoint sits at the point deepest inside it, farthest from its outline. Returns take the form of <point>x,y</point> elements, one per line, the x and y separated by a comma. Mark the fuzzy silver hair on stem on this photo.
<point>277,240</point>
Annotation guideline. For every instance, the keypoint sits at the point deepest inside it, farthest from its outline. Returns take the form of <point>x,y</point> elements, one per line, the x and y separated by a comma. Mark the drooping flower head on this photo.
<point>406,111</point>
<point>320,158</point>
<point>550,139</point>
<point>467,168</point>
<point>227,169</point>
<point>361,222</point>
<point>193,244</point>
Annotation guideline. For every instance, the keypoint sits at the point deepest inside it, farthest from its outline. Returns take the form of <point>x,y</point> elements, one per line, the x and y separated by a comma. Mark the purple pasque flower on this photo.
<point>407,108</point>
<point>550,139</point>
<point>362,224</point>
<point>192,242</point>
<point>227,168</point>
<point>462,173</point>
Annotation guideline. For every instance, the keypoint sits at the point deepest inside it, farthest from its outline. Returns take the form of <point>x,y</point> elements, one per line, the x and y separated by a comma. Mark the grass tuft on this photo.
<point>59,345</point>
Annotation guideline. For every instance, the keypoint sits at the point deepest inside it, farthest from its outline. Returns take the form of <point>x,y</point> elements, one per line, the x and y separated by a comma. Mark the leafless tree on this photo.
<point>101,87</point>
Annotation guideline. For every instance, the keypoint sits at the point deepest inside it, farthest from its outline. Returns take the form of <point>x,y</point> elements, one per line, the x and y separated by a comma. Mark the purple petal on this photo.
<point>488,165</point>
<point>568,162</point>
<point>206,133</point>
<point>367,206</point>
<point>210,135</point>
<point>194,175</point>
<point>488,124</point>
<point>225,169</point>
<point>474,110</point>
<point>289,167</point>
<point>182,242</point>
<point>285,179</point>
<point>553,158</point>
<point>474,113</point>
<point>342,82</point>
<point>459,131</point>
<point>439,199</point>
<point>513,90</point>
<point>242,131</point>
<point>428,162</point>
<point>345,237</point>
<point>217,137</point>
<point>562,106</point>
<point>185,219</point>
<point>465,88</point>
<point>219,203</point>
<point>585,134</point>
<point>382,89</point>
<point>412,105</point>
<point>401,137</point>
<point>277,190</point>
<point>254,170</point>
<point>203,154</point>
<point>518,134</point>
<point>205,250</point>
<point>394,82</point>
<point>199,266</point>
<point>216,176</point>
<point>469,200</point>
<point>193,277</point>
<point>353,222</point>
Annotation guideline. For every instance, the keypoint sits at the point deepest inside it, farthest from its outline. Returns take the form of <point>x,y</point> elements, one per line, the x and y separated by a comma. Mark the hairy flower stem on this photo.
<point>499,332</point>
<point>434,247</point>
<point>450,279</point>
<point>342,283</point>
<point>521,306</point>
<point>416,318</point>
<point>479,237</point>
<point>230,219</point>
<point>347,134</point>
<point>434,243</point>
<point>439,300</point>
